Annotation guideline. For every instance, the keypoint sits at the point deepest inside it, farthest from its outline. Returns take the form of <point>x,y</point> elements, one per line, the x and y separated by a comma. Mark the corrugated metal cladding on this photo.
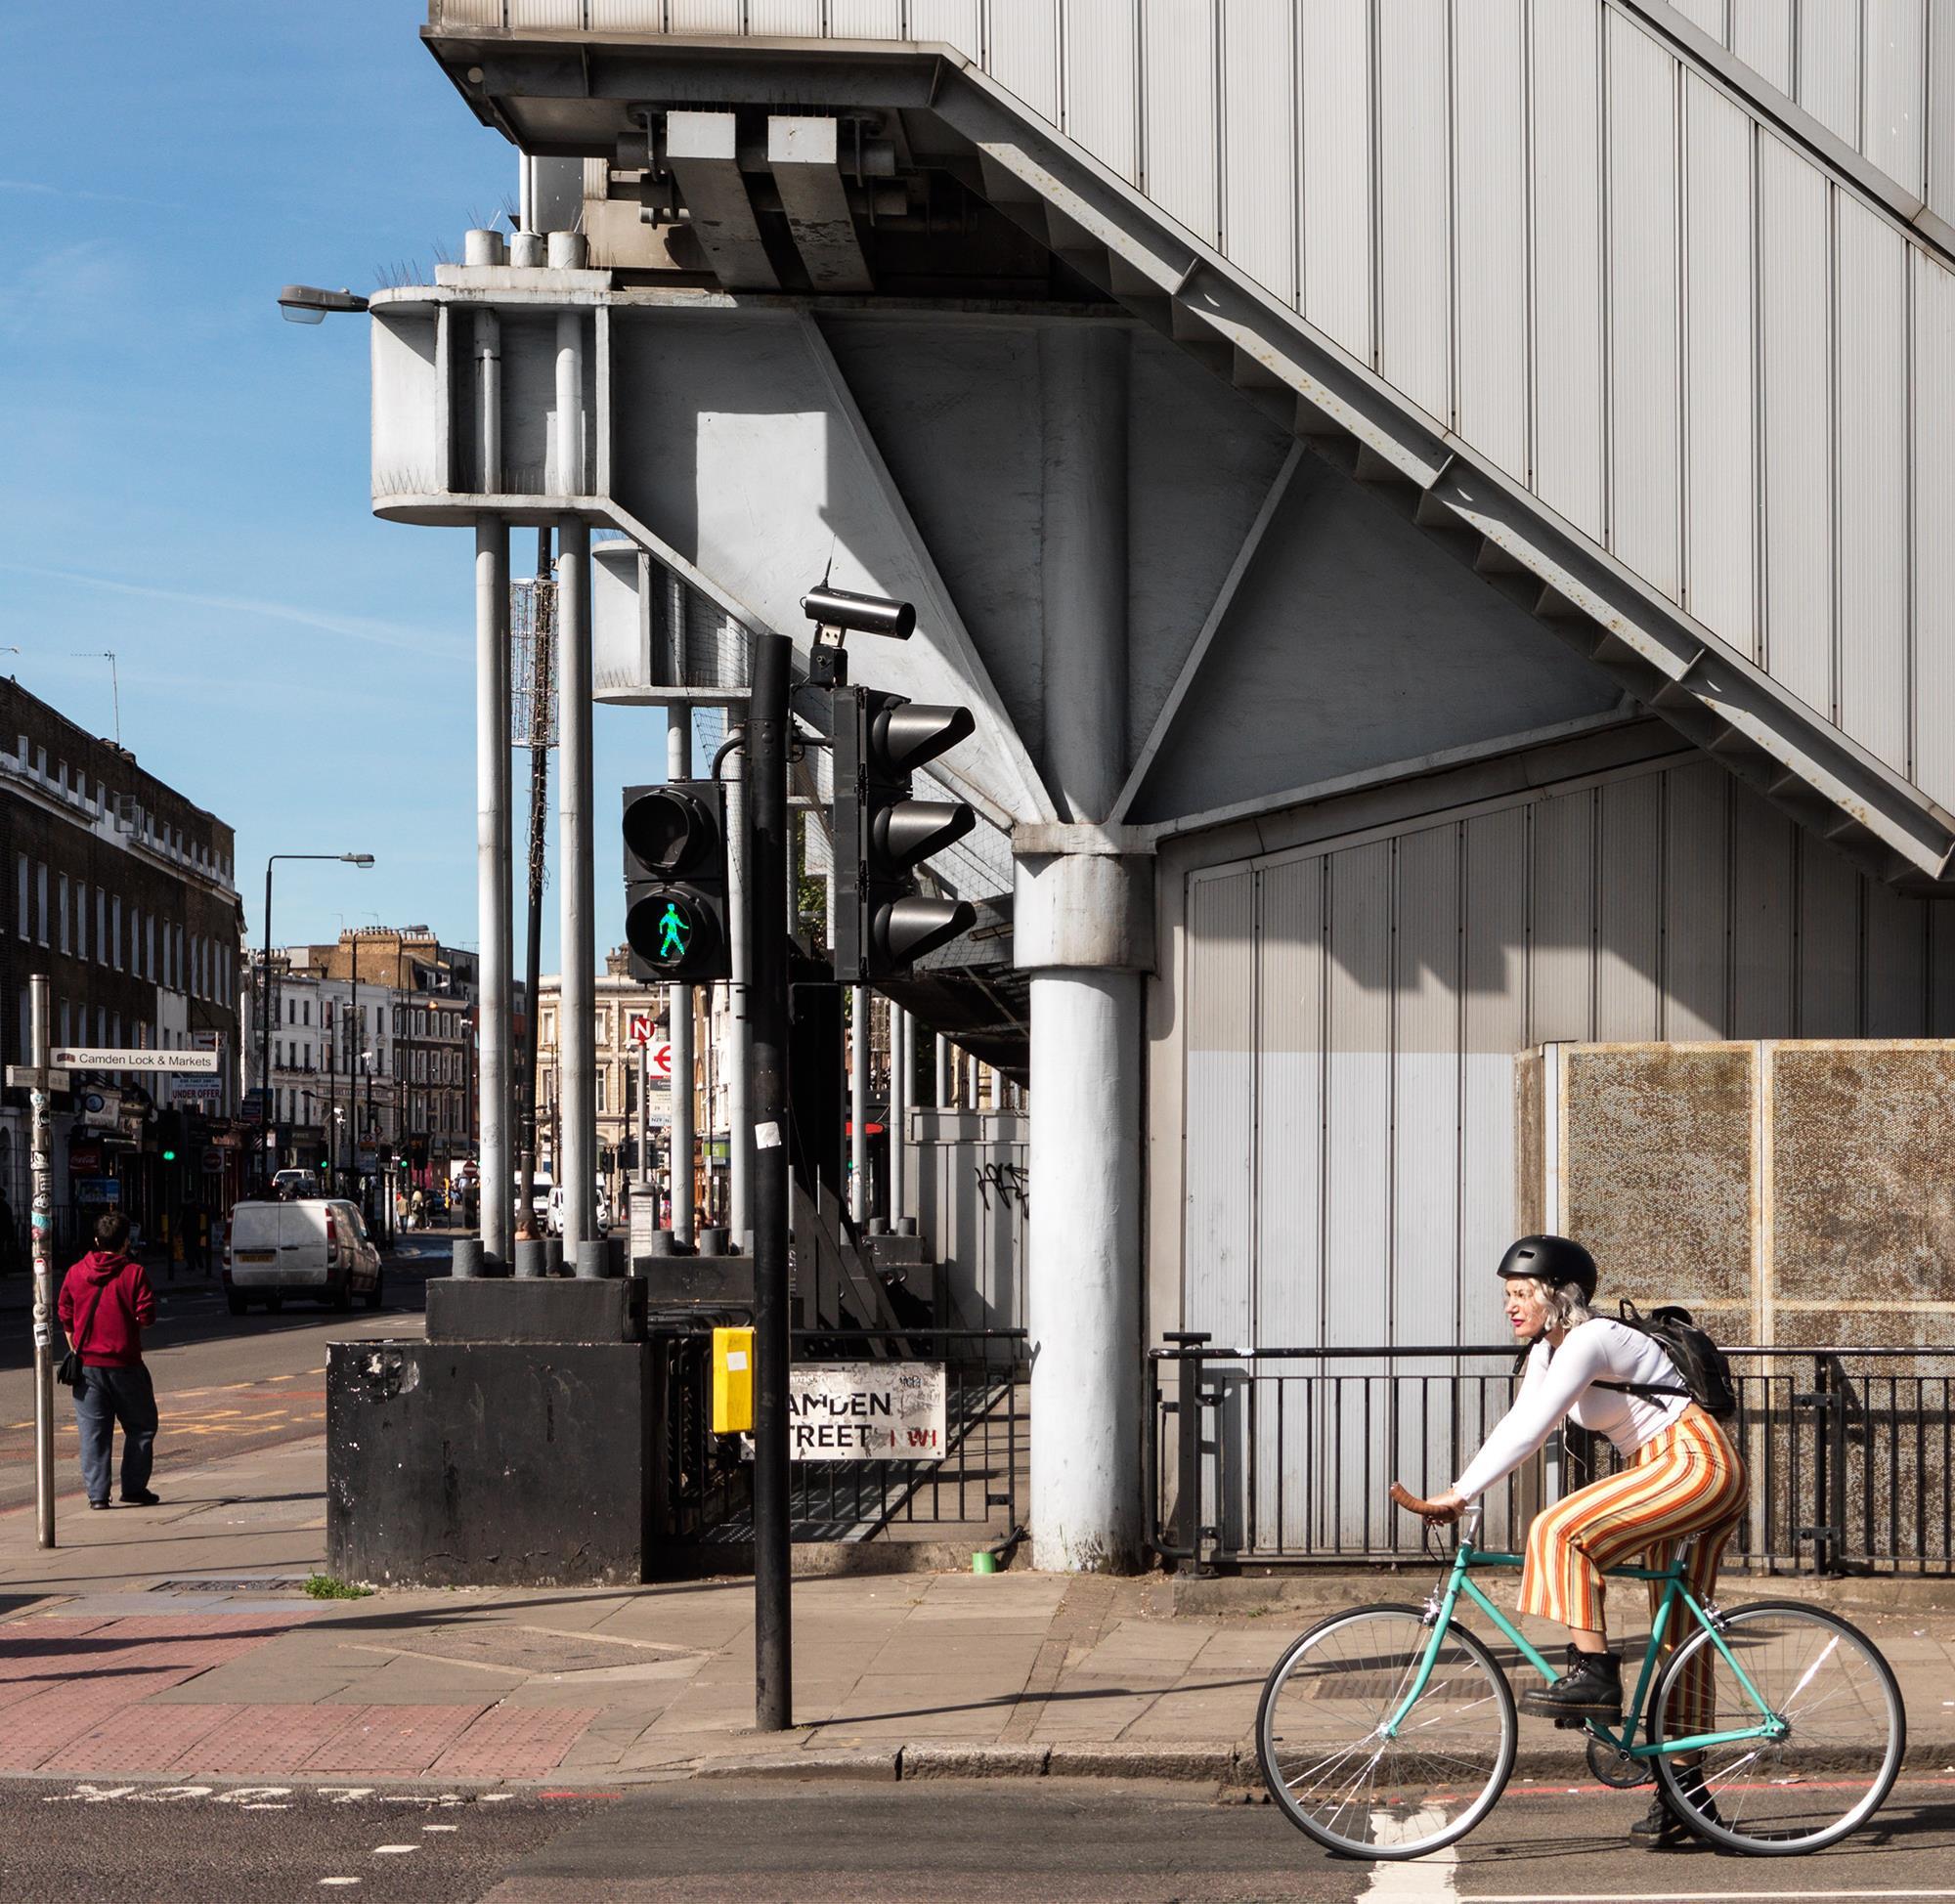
<point>1573,245</point>
<point>1354,1011</point>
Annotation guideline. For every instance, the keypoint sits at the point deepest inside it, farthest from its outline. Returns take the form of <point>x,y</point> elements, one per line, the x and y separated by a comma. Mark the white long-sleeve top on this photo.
<point>1561,1382</point>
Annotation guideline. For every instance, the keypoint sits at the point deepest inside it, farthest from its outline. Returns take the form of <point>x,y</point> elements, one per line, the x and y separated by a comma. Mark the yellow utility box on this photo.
<point>732,1381</point>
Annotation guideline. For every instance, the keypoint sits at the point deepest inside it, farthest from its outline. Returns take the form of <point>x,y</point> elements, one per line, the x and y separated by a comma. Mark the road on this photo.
<point>225,1384</point>
<point>727,1842</point>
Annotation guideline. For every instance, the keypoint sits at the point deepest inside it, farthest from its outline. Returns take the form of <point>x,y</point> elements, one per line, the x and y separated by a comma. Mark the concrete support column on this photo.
<point>491,882</point>
<point>678,1014</point>
<point>566,478</point>
<point>901,1052</point>
<point>858,1103</point>
<point>943,1072</point>
<point>1083,567</point>
<point>577,1028</point>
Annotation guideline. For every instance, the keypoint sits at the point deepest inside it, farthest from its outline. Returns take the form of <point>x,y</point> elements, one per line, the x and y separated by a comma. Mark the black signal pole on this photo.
<point>767,774</point>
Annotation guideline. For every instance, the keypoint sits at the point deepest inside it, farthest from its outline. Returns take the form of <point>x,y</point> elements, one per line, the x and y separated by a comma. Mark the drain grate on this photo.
<point>238,1583</point>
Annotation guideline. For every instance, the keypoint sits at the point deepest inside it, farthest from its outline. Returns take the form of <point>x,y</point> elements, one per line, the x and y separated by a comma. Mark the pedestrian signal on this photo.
<point>676,882</point>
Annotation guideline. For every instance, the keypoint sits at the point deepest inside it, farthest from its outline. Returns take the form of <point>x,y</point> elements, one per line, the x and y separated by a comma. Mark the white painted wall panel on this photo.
<point>1829,66</point>
<point>1178,124</point>
<point>1103,81</point>
<point>1561,918</point>
<point>1628,986</point>
<point>1933,432</point>
<point>1490,189</point>
<point>954,23</point>
<point>1566,243</point>
<point>1829,944</point>
<point>1415,190</point>
<point>1871,434</point>
<point>623,15</point>
<point>1797,354</point>
<point>1761,35</point>
<point>1335,200</point>
<point>1259,142</point>
<point>703,16</point>
<point>1696,898</point>
<point>866,20</point>
<point>1764,857</point>
<point>1896,964</point>
<point>1941,129</point>
<point>1719,394</point>
<point>783,15</point>
<point>1220,1106</point>
<point>1425,1087</point>
<point>1894,89</point>
<point>1357,1188</point>
<point>1644,471</point>
<point>1023,54</point>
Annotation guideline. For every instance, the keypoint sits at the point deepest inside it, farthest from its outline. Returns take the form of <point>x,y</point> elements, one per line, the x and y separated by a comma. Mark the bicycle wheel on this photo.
<point>1325,1757</point>
<point>1846,1730</point>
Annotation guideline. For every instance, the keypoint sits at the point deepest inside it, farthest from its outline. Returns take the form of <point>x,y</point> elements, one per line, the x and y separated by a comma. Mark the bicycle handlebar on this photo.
<point>1433,1513</point>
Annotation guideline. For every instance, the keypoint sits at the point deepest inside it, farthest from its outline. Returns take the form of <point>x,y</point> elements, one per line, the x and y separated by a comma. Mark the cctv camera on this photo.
<point>838,608</point>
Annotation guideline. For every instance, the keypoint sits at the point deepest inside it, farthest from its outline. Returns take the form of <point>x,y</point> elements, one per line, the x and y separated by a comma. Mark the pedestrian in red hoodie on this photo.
<point>105,1305</point>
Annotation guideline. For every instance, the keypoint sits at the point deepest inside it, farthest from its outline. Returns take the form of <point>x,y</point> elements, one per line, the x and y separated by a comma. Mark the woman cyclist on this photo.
<point>1682,1479</point>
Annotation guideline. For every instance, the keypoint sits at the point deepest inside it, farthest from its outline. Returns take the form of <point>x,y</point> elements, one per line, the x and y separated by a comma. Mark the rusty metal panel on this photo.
<point>1872,436</point>
<point>1425,1087</point>
<point>1829,943</point>
<point>1863,1198</point>
<point>1178,127</point>
<point>1103,82</point>
<point>1259,146</point>
<point>1414,212</point>
<point>1644,471</point>
<point>1022,56</point>
<point>1934,404</point>
<point>1561,938</point>
<point>1764,857</point>
<point>1358,1114</point>
<point>1658,1170</point>
<point>1490,185</point>
<point>1221,1095</point>
<point>1795,264</point>
<point>1629,989</point>
<point>1720,400</point>
<point>1695,901</point>
<point>1565,242</point>
<point>1335,199</point>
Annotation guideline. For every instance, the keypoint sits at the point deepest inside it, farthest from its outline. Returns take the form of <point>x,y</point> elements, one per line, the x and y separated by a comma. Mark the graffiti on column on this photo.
<point>43,1219</point>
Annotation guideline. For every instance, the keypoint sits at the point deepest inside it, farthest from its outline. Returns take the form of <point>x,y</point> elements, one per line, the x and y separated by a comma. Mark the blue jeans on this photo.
<point>110,1396</point>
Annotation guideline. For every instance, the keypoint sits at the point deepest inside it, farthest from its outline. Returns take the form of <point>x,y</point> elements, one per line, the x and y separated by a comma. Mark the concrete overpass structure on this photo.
<point>1441,518</point>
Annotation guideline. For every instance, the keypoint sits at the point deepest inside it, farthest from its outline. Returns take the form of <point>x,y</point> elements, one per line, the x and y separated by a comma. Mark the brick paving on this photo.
<point>514,1742</point>
<point>151,1737</point>
<point>393,1740</point>
<point>271,1740</point>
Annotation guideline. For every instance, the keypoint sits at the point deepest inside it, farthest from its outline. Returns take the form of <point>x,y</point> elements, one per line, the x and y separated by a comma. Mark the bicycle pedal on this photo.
<point>1571,1725</point>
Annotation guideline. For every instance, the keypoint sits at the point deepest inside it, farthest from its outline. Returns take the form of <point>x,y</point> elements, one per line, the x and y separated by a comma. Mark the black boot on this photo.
<point>1590,1689</point>
<point>1661,1829</point>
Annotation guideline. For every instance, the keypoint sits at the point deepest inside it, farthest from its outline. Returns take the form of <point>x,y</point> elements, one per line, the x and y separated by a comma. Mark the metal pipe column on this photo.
<point>492,877</point>
<point>901,1052</point>
<point>40,1012</point>
<point>678,1016</point>
<point>858,1103</point>
<point>577,1028</point>
<point>739,1027</point>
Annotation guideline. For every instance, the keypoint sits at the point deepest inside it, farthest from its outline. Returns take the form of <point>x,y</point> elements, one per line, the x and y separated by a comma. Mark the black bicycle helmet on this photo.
<point>1553,1260</point>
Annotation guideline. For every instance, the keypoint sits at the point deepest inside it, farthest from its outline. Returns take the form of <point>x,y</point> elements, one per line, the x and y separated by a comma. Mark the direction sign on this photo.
<point>107,1058</point>
<point>27,1077</point>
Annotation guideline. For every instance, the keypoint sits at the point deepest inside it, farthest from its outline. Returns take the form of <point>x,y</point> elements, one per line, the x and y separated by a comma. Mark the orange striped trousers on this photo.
<point>1685,1480</point>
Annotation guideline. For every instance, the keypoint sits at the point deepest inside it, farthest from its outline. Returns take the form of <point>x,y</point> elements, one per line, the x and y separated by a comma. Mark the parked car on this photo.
<point>296,1182</point>
<point>314,1246</point>
<point>551,1209</point>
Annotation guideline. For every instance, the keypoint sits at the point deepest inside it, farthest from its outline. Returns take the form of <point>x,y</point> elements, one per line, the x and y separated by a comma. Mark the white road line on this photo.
<point>1422,1881</point>
<point>393,1850</point>
<point>339,1881</point>
<point>441,1827</point>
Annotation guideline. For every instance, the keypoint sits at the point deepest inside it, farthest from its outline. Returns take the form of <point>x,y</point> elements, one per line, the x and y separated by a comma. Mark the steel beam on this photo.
<point>702,149</point>
<point>805,159</point>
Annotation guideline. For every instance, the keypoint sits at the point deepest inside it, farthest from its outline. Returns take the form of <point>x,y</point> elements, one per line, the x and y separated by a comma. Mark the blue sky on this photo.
<point>185,476</point>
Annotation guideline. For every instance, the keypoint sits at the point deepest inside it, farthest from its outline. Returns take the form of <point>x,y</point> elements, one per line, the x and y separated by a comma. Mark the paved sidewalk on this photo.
<point>174,1643</point>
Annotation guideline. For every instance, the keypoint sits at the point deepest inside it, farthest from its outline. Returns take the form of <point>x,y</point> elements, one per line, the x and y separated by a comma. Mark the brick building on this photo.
<point>123,893</point>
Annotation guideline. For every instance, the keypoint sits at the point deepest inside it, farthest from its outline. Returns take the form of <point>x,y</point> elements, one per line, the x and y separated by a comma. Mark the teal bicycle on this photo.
<point>1390,1731</point>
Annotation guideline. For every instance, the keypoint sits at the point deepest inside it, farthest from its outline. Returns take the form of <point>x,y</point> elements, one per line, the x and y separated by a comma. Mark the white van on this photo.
<point>553,1211</point>
<point>314,1246</point>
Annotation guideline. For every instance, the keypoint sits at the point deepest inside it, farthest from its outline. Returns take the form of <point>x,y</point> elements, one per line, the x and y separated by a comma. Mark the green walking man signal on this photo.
<point>676,882</point>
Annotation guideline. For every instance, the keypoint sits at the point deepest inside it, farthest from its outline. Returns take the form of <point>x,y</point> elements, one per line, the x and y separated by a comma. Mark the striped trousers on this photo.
<point>1685,1480</point>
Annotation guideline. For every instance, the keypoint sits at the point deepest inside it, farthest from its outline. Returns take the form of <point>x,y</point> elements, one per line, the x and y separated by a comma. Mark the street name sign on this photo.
<point>27,1078</point>
<point>866,1411</point>
<point>107,1058</point>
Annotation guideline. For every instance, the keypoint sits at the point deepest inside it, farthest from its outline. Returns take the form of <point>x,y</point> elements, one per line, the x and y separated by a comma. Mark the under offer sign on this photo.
<point>866,1411</point>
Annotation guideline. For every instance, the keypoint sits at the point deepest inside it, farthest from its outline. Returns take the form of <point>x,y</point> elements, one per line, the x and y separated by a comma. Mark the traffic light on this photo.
<point>676,882</point>
<point>881,924</point>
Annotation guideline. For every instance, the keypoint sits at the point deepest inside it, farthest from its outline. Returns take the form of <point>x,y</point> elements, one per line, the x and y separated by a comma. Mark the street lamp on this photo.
<point>266,1102</point>
<point>308,304</point>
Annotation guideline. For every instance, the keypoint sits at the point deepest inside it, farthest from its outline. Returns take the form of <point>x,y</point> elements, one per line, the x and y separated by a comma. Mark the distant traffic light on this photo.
<point>881,924</point>
<point>676,882</point>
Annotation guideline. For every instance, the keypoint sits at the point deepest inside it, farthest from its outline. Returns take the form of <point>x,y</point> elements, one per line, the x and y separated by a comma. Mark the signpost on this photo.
<point>39,1010</point>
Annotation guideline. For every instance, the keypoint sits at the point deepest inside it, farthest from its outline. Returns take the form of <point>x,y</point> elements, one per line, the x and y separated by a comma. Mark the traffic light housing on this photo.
<point>882,835</point>
<point>676,882</point>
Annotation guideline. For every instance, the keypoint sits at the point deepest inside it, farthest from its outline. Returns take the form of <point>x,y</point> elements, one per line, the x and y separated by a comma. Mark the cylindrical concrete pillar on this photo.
<point>679,1014</point>
<point>492,880</point>
<point>1083,564</point>
<point>489,399</point>
<point>858,1103</point>
<point>577,1028</point>
<point>1084,1289</point>
<point>567,478</point>
<point>900,1053</point>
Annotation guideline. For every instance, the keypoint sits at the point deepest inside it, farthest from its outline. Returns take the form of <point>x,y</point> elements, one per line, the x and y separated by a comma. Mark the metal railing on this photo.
<point>1277,1455</point>
<point>703,1483</point>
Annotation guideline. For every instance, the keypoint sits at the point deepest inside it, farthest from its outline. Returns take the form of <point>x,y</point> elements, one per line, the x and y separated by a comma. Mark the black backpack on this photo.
<point>1706,1375</point>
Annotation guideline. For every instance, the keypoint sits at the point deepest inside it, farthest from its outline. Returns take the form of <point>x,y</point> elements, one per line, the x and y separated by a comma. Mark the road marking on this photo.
<point>393,1850</point>
<point>1422,1881</point>
<point>339,1881</point>
<point>441,1827</point>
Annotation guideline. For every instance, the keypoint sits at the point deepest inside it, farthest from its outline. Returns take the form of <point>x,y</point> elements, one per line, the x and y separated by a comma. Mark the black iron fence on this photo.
<point>1284,1455</point>
<point>973,1484</point>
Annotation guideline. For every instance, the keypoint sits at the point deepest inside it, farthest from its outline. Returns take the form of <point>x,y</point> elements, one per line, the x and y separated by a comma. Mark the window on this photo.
<point>603,1027</point>
<point>101,927</point>
<point>150,947</point>
<point>22,863</point>
<point>602,1105</point>
<point>64,1022</point>
<point>41,900</point>
<point>116,928</point>
<point>305,1012</point>
<point>60,915</point>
